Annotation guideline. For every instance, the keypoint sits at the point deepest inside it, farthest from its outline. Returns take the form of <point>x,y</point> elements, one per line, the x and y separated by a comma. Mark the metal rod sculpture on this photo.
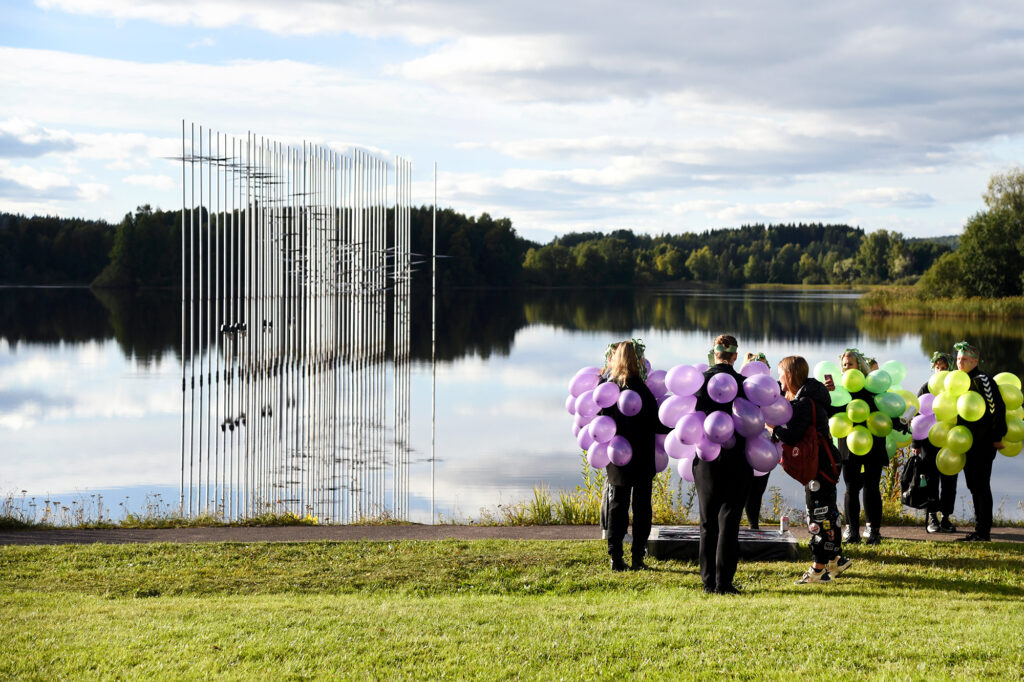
<point>288,276</point>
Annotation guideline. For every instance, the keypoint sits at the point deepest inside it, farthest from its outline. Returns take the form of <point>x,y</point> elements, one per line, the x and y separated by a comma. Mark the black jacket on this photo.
<point>923,444</point>
<point>706,405</point>
<point>639,430</point>
<point>992,426</point>
<point>813,392</point>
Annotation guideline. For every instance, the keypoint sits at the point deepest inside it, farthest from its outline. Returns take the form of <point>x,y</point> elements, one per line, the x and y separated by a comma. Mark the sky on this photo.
<point>660,117</point>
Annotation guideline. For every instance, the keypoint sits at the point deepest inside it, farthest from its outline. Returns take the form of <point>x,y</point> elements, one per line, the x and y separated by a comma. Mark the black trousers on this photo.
<point>618,517</point>
<point>753,505</point>
<point>823,511</point>
<point>722,487</point>
<point>978,476</point>
<point>866,480</point>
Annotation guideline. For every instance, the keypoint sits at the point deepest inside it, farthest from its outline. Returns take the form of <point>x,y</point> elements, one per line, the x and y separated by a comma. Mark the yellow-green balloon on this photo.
<point>890,445</point>
<point>937,382</point>
<point>959,439</point>
<point>840,425</point>
<point>878,381</point>
<point>859,441</point>
<point>879,424</point>
<point>949,462</point>
<point>1019,412</point>
<point>902,439</point>
<point>1006,378</point>
<point>858,410</point>
<point>1010,449</point>
<point>839,397</point>
<point>970,406</point>
<point>1012,396</point>
<point>1014,428</point>
<point>853,380</point>
<point>944,406</point>
<point>910,399</point>
<point>938,434</point>
<point>958,382</point>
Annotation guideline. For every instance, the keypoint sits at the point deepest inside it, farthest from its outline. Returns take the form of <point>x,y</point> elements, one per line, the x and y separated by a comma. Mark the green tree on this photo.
<point>943,279</point>
<point>992,253</point>
<point>702,264</point>
<point>1006,190</point>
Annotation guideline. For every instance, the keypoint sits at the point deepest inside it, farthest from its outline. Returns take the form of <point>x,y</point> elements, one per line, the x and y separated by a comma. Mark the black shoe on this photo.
<point>639,565</point>
<point>851,535</point>
<point>755,526</point>
<point>946,526</point>
<point>974,537</point>
<point>618,565</point>
<point>933,524</point>
<point>708,590</point>
<point>728,589</point>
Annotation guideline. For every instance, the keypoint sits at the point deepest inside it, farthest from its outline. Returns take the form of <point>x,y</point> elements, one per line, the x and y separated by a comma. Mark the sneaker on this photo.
<point>838,565</point>
<point>946,526</point>
<point>851,535</point>
<point>640,566</point>
<point>974,537</point>
<point>813,576</point>
<point>933,524</point>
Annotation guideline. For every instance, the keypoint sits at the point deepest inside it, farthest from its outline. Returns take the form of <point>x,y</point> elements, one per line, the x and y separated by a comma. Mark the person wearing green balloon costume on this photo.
<point>943,486</point>
<point>987,430</point>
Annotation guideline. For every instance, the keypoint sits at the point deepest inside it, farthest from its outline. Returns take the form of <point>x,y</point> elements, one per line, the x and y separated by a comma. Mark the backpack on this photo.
<point>801,460</point>
<point>918,483</point>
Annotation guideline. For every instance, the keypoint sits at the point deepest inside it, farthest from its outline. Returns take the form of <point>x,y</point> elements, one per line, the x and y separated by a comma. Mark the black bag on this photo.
<point>918,482</point>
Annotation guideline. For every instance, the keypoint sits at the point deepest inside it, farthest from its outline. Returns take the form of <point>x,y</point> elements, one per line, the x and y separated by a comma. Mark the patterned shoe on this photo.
<point>838,565</point>
<point>813,576</point>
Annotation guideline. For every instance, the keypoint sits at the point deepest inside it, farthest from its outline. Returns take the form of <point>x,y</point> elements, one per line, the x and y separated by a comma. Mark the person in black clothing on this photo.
<point>943,487</point>
<point>722,485</point>
<point>861,472</point>
<point>759,483</point>
<point>988,434</point>
<point>625,366</point>
<point>811,402</point>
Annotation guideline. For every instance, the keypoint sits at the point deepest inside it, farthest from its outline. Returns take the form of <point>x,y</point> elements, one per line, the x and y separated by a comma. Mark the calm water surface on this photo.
<point>90,387</point>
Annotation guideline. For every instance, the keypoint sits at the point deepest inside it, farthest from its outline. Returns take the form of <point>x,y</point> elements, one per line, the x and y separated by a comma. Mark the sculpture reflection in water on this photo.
<point>295,330</point>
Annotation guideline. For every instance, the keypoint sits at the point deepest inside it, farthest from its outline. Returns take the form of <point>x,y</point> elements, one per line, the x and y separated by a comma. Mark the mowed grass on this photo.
<point>500,609</point>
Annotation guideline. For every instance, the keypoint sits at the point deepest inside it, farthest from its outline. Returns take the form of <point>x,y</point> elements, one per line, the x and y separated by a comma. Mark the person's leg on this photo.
<point>947,500</point>
<point>982,493</point>
<point>703,478</point>
<point>873,494</point>
<point>618,522</point>
<point>851,501</point>
<point>754,498</point>
<point>729,516</point>
<point>641,521</point>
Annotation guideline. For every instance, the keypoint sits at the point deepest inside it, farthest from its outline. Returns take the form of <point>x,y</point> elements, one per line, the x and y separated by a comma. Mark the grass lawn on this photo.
<point>500,609</point>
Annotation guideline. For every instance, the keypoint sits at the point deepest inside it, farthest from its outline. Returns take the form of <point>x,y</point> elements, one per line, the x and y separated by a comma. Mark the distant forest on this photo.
<point>144,250</point>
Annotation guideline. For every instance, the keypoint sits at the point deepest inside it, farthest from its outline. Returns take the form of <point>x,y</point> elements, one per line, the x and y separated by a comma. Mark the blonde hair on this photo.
<point>862,363</point>
<point>623,363</point>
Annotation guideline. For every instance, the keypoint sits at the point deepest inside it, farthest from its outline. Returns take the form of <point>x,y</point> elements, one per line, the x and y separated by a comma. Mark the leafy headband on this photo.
<point>638,349</point>
<point>964,348</point>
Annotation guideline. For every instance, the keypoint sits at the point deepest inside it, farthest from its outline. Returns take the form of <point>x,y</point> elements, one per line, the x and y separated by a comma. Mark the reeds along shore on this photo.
<point>914,302</point>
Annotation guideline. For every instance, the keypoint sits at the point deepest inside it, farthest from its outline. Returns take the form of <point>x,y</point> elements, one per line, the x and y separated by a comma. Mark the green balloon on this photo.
<point>858,410</point>
<point>958,382</point>
<point>944,406</point>
<point>879,425</point>
<point>891,446</point>
<point>840,425</point>
<point>1014,428</point>
<point>859,441</point>
<point>949,462</point>
<point>902,438</point>
<point>1010,449</point>
<point>896,369</point>
<point>970,406</point>
<point>826,367</point>
<point>853,380</point>
<point>959,439</point>
<point>890,404</point>
<point>1012,396</point>
<point>1007,379</point>
<point>839,397</point>
<point>937,382</point>
<point>938,434</point>
<point>878,381</point>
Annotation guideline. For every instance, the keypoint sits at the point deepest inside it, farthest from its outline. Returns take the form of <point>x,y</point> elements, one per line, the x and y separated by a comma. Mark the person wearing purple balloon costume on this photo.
<point>625,366</point>
<point>811,403</point>
<point>760,482</point>
<point>943,486</point>
<point>722,483</point>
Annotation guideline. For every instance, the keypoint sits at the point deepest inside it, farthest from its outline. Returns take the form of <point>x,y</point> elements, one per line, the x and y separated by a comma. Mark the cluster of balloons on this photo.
<point>950,396</point>
<point>863,419</point>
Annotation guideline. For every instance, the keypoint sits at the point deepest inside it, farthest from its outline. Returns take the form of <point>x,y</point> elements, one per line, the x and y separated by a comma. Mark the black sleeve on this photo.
<point>791,432</point>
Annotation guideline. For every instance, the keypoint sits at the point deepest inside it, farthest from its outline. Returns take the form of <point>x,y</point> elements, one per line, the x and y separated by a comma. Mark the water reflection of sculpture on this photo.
<point>286,326</point>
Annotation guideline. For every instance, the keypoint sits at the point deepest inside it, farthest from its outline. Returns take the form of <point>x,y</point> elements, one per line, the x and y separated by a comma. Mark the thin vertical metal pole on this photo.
<point>433,351</point>
<point>181,501</point>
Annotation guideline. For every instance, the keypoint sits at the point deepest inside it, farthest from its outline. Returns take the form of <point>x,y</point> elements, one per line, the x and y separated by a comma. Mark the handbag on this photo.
<point>801,460</point>
<point>917,481</point>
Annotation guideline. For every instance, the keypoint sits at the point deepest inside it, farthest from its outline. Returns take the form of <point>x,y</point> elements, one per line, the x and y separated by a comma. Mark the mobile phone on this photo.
<point>828,377</point>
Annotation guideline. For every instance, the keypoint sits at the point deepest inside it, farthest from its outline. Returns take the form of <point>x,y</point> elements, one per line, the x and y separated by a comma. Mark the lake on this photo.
<point>91,399</point>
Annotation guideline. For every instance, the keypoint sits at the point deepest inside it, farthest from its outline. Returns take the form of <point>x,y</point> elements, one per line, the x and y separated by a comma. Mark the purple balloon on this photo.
<point>926,404</point>
<point>673,409</point>
<point>656,382</point>
<point>722,387</point>
<point>647,365</point>
<point>761,389</point>
<point>731,443</point>
<point>690,428</point>
<point>585,404</point>
<point>606,394</point>
<point>580,421</point>
<point>921,424</point>
<point>718,426</point>
<point>584,439</point>
<point>620,451</point>
<point>678,450</point>
<point>779,412</point>
<point>570,405</point>
<point>630,403</point>
<point>747,418</point>
<point>761,454</point>
<point>683,380</point>
<point>685,469</point>
<point>659,441</point>
<point>597,456</point>
<point>708,450</point>
<point>576,430</point>
<point>602,428</point>
<point>585,380</point>
<point>755,367</point>
<point>761,473</point>
<point>700,367</point>
<point>660,461</point>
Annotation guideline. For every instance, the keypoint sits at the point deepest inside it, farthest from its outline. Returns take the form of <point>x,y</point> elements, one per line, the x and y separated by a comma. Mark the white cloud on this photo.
<point>890,196</point>
<point>157,181</point>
